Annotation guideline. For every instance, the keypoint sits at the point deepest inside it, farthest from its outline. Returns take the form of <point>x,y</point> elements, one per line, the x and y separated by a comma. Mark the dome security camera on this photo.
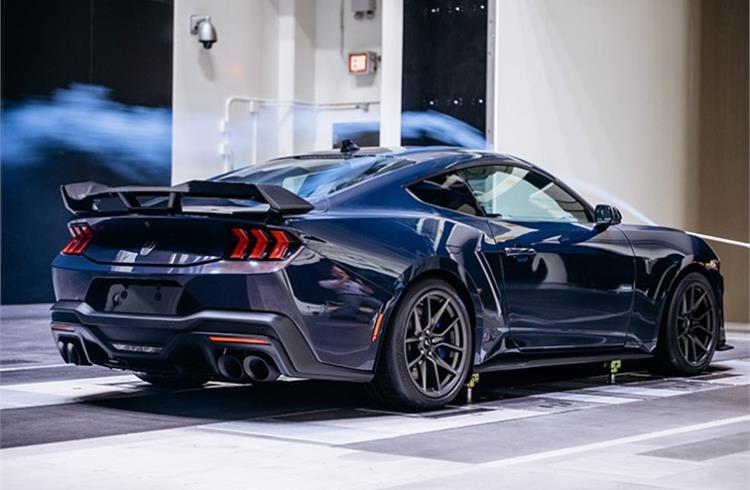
<point>201,26</point>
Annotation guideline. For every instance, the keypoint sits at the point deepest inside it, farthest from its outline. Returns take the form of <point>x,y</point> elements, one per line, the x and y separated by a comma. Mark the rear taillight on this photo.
<point>259,244</point>
<point>281,244</point>
<point>82,236</point>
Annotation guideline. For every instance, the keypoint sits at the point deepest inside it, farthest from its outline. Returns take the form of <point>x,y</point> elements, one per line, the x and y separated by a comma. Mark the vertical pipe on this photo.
<point>255,117</point>
<point>489,132</point>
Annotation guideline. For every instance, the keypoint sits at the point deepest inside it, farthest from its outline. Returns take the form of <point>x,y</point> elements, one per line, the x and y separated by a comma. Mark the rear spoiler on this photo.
<point>79,197</point>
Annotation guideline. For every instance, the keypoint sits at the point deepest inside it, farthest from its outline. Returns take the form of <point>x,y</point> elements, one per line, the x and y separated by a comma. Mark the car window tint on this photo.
<point>518,193</point>
<point>447,191</point>
<point>315,177</point>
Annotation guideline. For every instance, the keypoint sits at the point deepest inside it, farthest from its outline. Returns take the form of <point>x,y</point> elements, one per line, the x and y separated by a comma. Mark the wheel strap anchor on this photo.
<point>470,384</point>
<point>614,367</point>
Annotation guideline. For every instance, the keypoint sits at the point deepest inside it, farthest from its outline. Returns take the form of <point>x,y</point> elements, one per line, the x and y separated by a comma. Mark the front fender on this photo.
<point>663,256</point>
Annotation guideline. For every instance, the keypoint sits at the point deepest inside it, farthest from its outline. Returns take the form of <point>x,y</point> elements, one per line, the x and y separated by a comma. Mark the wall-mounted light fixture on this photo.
<point>363,63</point>
<point>201,26</point>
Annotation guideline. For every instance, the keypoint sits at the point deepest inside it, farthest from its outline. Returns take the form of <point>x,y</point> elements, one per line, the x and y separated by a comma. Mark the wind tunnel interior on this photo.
<point>642,105</point>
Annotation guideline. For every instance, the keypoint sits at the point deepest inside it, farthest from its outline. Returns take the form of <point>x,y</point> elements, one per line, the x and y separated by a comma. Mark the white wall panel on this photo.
<point>603,94</point>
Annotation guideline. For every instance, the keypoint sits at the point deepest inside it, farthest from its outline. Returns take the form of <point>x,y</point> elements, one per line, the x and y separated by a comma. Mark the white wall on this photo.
<point>604,94</point>
<point>203,79</point>
<point>286,52</point>
<point>333,82</point>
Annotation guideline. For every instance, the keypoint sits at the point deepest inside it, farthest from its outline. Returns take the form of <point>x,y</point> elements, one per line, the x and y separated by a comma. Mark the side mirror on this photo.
<point>606,215</point>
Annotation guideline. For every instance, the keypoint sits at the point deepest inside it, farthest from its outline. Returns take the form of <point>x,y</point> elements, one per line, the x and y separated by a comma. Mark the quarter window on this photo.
<point>518,193</point>
<point>447,191</point>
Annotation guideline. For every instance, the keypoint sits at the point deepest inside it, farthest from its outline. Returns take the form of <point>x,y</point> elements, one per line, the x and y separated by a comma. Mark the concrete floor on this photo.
<point>551,428</point>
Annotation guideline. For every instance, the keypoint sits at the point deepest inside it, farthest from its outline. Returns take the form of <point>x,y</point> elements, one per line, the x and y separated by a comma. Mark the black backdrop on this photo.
<point>86,95</point>
<point>445,61</point>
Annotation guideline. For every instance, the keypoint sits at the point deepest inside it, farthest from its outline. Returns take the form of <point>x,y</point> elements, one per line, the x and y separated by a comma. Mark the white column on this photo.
<point>285,78</point>
<point>391,68</point>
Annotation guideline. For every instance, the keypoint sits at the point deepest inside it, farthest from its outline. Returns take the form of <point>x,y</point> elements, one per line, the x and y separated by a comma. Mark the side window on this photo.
<point>447,191</point>
<point>519,193</point>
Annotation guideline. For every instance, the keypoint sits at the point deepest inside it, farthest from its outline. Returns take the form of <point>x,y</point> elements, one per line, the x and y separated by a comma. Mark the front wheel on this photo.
<point>690,330</point>
<point>426,356</point>
<point>172,382</point>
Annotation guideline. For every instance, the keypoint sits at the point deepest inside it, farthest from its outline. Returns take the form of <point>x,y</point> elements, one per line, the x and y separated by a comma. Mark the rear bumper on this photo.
<point>181,344</point>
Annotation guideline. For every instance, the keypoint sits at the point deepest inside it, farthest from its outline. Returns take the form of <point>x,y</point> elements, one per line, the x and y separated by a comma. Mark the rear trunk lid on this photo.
<point>163,241</point>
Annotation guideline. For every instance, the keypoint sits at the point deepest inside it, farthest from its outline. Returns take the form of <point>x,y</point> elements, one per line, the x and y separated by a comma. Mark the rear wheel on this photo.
<point>691,328</point>
<point>426,356</point>
<point>172,381</point>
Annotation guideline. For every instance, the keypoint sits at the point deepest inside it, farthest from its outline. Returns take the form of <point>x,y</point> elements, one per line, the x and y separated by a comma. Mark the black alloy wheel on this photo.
<point>691,329</point>
<point>435,346</point>
<point>427,348</point>
<point>695,323</point>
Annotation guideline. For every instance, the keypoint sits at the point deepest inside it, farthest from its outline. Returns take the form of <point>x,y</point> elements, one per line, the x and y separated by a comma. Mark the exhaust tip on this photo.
<point>63,351</point>
<point>259,370</point>
<point>72,354</point>
<point>230,367</point>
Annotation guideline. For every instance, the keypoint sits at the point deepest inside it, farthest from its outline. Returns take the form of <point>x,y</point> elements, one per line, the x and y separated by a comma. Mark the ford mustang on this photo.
<point>408,269</point>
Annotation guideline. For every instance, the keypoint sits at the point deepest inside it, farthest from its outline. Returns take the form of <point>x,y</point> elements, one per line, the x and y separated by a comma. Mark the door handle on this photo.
<point>519,251</point>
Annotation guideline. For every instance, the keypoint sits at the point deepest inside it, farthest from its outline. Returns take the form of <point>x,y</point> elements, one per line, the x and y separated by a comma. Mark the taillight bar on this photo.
<point>243,241</point>
<point>281,245</point>
<point>259,244</point>
<point>62,327</point>
<point>238,340</point>
<point>82,234</point>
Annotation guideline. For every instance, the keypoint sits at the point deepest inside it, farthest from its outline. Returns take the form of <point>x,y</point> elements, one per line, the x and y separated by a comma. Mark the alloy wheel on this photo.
<point>436,344</point>
<point>696,326</point>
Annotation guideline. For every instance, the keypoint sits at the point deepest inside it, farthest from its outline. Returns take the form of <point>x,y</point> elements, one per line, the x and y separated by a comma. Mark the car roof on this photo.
<point>425,160</point>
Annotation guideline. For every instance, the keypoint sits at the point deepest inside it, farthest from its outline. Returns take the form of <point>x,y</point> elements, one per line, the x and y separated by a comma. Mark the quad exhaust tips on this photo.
<point>72,354</point>
<point>259,370</point>
<point>253,367</point>
<point>230,367</point>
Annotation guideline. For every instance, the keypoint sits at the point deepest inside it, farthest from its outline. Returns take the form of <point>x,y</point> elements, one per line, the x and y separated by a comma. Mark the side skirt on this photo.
<point>522,361</point>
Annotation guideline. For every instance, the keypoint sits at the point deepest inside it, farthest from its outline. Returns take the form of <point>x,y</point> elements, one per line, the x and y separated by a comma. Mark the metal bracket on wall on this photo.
<point>254,105</point>
<point>195,21</point>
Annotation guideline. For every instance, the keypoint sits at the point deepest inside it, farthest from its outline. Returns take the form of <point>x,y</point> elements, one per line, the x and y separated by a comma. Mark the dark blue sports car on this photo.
<point>405,268</point>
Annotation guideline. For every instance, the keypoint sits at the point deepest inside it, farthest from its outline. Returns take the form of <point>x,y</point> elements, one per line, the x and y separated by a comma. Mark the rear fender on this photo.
<point>464,271</point>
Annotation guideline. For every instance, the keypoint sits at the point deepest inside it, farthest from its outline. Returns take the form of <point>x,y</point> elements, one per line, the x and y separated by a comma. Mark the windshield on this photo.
<point>314,177</point>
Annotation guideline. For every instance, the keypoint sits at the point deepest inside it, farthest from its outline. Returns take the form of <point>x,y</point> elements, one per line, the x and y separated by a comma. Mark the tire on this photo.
<point>171,382</point>
<point>690,329</point>
<point>440,351</point>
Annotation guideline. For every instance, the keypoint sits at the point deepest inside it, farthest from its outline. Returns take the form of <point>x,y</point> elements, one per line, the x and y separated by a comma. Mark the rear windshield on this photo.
<point>314,177</point>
